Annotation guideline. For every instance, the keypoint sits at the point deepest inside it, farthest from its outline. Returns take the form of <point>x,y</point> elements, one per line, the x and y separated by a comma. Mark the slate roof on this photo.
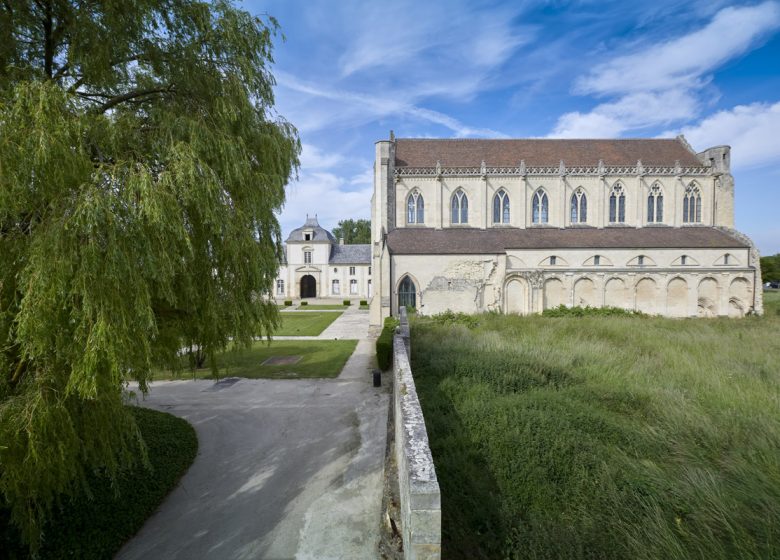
<point>350,254</point>
<point>428,241</point>
<point>425,152</point>
<point>319,234</point>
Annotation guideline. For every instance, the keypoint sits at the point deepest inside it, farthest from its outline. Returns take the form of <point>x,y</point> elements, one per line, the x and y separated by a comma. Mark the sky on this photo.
<point>349,71</point>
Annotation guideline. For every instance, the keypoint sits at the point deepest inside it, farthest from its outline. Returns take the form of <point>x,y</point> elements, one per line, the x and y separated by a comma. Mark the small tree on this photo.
<point>141,164</point>
<point>770,268</point>
<point>354,232</point>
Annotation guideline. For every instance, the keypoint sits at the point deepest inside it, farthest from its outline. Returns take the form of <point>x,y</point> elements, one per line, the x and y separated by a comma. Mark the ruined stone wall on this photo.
<point>418,487</point>
<point>708,282</point>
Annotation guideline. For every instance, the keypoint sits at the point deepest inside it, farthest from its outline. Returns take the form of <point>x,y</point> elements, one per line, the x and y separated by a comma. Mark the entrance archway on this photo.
<point>308,286</point>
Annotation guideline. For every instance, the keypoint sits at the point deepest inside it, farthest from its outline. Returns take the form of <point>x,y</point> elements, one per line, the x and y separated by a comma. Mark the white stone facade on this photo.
<point>654,237</point>
<point>316,265</point>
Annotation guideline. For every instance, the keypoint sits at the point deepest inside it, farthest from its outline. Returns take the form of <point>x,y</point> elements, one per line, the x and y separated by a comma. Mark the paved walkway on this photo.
<point>285,468</point>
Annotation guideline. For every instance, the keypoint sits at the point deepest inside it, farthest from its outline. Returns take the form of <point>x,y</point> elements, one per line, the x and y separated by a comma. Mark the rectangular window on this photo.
<point>335,288</point>
<point>351,270</point>
<point>307,236</point>
<point>353,287</point>
<point>597,260</point>
<point>641,260</point>
<point>726,259</point>
<point>683,259</point>
<point>369,271</point>
<point>280,287</point>
<point>553,260</point>
<point>307,257</point>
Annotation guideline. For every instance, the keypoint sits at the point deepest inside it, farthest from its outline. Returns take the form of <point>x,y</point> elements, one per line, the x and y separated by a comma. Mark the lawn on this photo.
<point>305,324</point>
<point>93,528</point>
<point>604,437</point>
<point>319,358</point>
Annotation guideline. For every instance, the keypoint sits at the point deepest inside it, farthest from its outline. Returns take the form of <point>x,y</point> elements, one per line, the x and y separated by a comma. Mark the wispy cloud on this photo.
<point>681,62</point>
<point>365,108</point>
<point>664,82</point>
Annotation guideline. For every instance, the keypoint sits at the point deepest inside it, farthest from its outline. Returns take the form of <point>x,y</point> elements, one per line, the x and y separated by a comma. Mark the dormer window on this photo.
<point>307,236</point>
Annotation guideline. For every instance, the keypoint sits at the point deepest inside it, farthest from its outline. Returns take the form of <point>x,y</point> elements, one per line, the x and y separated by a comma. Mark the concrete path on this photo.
<point>285,468</point>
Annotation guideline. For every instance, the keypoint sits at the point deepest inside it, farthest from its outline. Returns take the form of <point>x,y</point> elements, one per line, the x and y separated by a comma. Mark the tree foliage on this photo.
<point>770,268</point>
<point>141,163</point>
<point>354,232</point>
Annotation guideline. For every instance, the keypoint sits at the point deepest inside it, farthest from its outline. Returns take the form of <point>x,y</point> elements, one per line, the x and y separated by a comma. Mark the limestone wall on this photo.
<point>418,486</point>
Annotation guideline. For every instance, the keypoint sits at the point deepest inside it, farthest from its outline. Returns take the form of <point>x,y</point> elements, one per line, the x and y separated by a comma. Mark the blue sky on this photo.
<point>349,71</point>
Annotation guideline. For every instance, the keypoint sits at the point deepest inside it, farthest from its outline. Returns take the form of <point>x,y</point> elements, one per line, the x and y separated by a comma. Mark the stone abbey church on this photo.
<point>519,226</point>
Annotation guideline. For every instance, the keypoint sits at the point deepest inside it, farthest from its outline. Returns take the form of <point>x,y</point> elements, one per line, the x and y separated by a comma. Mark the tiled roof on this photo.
<point>427,241</point>
<point>350,254</point>
<point>414,152</point>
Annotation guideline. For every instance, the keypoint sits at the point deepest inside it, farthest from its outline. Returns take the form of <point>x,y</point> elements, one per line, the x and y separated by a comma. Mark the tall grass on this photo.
<point>605,437</point>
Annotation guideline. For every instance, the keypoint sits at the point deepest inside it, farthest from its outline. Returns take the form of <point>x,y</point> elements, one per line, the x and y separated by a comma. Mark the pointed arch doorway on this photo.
<point>308,286</point>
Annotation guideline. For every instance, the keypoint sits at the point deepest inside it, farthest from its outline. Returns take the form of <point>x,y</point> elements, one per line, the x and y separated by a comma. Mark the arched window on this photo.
<point>407,293</point>
<point>415,208</point>
<point>579,207</point>
<point>460,207</point>
<point>692,205</point>
<point>540,207</point>
<point>617,204</point>
<point>655,205</point>
<point>501,207</point>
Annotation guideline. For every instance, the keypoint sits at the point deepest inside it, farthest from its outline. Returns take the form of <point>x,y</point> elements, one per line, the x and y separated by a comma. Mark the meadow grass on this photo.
<point>319,358</point>
<point>305,324</point>
<point>604,437</point>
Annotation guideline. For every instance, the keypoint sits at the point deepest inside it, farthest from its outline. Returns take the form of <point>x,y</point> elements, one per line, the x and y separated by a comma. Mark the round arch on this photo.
<point>308,286</point>
<point>516,296</point>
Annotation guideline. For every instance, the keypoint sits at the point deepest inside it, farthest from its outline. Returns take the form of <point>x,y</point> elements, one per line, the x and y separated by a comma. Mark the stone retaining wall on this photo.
<point>419,488</point>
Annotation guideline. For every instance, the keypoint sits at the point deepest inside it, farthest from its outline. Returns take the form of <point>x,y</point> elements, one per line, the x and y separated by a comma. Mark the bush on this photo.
<point>363,302</point>
<point>563,311</point>
<point>346,302</point>
<point>304,303</point>
<point>96,527</point>
<point>384,344</point>
<point>452,318</point>
<point>287,302</point>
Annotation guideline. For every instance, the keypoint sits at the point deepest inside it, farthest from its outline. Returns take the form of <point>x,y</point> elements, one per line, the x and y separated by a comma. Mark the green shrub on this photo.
<point>384,344</point>
<point>96,527</point>
<point>563,311</point>
<point>304,303</point>
<point>452,318</point>
<point>346,302</point>
<point>363,302</point>
<point>287,302</point>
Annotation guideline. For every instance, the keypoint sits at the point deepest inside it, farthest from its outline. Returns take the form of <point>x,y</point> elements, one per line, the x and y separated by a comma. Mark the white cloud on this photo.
<point>665,82</point>
<point>327,195</point>
<point>750,130</point>
<point>681,62</point>
<point>633,111</point>
<point>314,158</point>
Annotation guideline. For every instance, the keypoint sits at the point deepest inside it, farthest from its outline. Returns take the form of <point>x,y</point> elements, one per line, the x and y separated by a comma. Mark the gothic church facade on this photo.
<point>519,226</point>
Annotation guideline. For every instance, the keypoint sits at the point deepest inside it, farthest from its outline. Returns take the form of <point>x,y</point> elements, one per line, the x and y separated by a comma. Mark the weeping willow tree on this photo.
<point>141,163</point>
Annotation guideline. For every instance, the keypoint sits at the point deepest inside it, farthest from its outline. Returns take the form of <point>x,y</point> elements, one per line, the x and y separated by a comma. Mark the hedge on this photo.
<point>97,527</point>
<point>384,344</point>
<point>346,302</point>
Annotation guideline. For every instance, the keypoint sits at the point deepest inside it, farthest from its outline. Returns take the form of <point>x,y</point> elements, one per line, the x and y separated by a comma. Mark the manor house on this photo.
<point>519,226</point>
<point>315,265</point>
